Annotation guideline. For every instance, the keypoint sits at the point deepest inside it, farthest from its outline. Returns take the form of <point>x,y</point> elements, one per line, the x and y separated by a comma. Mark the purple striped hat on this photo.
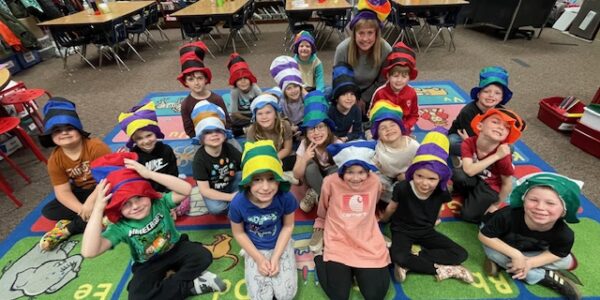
<point>285,70</point>
<point>140,117</point>
<point>432,155</point>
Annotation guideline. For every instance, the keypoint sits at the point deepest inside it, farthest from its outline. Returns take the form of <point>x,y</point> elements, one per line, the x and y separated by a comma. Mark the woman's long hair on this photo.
<point>374,52</point>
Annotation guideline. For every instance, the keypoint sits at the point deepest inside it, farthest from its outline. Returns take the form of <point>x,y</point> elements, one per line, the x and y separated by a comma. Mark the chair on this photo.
<point>297,21</point>
<point>236,24</point>
<point>196,30</point>
<point>153,20</point>
<point>443,20</point>
<point>138,26</point>
<point>112,39</point>
<point>406,22</point>
<point>73,39</point>
<point>337,20</point>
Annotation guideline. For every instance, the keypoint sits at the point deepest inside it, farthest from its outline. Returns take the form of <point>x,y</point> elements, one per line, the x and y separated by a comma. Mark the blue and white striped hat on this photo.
<point>208,117</point>
<point>263,100</point>
<point>285,70</point>
<point>358,152</point>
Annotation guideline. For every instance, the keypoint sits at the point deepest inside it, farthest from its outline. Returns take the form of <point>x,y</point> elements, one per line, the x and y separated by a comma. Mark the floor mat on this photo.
<point>64,274</point>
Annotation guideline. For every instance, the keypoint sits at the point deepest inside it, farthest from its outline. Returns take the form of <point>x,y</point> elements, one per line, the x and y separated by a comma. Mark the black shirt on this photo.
<point>414,214</point>
<point>218,171</point>
<point>161,159</point>
<point>343,123</point>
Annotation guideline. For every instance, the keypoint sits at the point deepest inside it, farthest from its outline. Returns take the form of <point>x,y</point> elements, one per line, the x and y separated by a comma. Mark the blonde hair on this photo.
<point>375,52</point>
<point>260,133</point>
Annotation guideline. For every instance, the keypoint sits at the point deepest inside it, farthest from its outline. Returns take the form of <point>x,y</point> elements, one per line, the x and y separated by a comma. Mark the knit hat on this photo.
<point>315,110</point>
<point>238,69</point>
<point>59,111</point>
<point>496,75</point>
<point>343,81</point>
<point>371,10</point>
<point>357,152</point>
<point>207,116</point>
<point>514,132</point>
<point>568,191</point>
<point>385,110</point>
<point>141,117</point>
<point>262,100</point>
<point>260,157</point>
<point>285,70</point>
<point>191,59</point>
<point>124,183</point>
<point>401,55</point>
<point>304,36</point>
<point>432,155</point>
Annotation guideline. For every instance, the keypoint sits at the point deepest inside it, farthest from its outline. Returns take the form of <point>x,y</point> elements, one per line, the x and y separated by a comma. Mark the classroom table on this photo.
<point>316,5</point>
<point>117,10</point>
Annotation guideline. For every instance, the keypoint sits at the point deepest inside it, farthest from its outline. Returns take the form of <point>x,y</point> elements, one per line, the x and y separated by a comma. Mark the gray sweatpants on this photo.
<point>283,286</point>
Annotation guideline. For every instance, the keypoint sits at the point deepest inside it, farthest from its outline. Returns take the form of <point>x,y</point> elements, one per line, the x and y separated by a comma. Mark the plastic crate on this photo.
<point>11,63</point>
<point>586,139</point>
<point>28,59</point>
<point>591,117</point>
<point>556,118</point>
<point>10,145</point>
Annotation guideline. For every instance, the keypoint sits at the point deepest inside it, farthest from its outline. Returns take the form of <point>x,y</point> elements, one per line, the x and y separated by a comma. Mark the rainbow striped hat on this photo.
<point>371,10</point>
<point>358,152</point>
<point>140,117</point>
<point>208,117</point>
<point>260,157</point>
<point>304,36</point>
<point>432,155</point>
<point>385,110</point>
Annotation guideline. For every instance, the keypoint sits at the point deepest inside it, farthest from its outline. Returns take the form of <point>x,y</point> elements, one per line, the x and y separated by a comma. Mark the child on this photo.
<point>395,150</point>
<point>268,125</point>
<point>398,69</point>
<point>305,54</point>
<point>262,221</point>
<point>414,210</point>
<point>485,178</point>
<point>68,168</point>
<point>196,76</point>
<point>244,90</point>
<point>354,244</point>
<point>216,164</point>
<point>313,162</point>
<point>345,113</point>
<point>530,238</point>
<point>492,92</point>
<point>140,218</point>
<point>286,73</point>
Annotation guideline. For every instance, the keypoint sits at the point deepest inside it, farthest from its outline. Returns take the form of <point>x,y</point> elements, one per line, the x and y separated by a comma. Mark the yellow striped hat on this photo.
<point>260,157</point>
<point>140,117</point>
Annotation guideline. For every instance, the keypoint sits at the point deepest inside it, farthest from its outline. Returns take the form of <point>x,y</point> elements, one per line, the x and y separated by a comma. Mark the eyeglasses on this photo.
<point>61,129</point>
<point>321,127</point>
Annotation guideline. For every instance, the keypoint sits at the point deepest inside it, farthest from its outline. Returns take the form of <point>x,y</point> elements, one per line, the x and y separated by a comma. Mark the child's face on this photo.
<point>354,176</point>
<point>263,187</point>
<point>365,37</point>
<point>346,101</point>
<point>243,84</point>
<point>490,96</point>
<point>425,181</point>
<point>265,117</point>
<point>493,127</point>
<point>293,92</point>
<point>136,208</point>
<point>213,138</point>
<point>145,140</point>
<point>196,82</point>
<point>318,134</point>
<point>389,131</point>
<point>65,135</point>
<point>542,207</point>
<point>398,80</point>
<point>304,50</point>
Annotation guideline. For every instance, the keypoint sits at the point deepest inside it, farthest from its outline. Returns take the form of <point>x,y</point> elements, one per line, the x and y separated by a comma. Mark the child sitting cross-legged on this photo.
<point>414,209</point>
<point>344,112</point>
<point>140,218</point>
<point>243,90</point>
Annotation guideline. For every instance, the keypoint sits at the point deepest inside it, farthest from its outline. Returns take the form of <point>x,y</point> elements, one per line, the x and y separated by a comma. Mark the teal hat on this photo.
<point>568,191</point>
<point>315,110</point>
<point>496,75</point>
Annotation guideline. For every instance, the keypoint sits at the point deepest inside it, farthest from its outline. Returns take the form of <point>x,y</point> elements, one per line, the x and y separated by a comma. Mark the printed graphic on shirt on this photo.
<point>262,225</point>
<point>149,240</point>
<point>243,104</point>
<point>355,205</point>
<point>156,164</point>
<point>82,171</point>
<point>222,173</point>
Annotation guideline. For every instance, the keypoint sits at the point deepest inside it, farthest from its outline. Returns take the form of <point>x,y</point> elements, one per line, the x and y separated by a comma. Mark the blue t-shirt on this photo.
<point>262,225</point>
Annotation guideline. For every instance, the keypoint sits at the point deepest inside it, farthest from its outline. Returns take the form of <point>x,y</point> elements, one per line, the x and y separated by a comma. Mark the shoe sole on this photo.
<point>490,268</point>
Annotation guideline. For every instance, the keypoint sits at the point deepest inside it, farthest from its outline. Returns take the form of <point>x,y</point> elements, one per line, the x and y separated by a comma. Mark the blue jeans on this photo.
<point>217,207</point>
<point>534,275</point>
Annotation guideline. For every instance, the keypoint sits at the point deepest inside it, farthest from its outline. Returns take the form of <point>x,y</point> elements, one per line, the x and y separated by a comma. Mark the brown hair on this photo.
<point>399,69</point>
<point>330,139</point>
<point>375,52</point>
<point>261,134</point>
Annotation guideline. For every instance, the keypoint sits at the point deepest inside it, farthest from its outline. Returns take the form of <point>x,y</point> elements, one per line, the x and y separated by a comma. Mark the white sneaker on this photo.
<point>289,177</point>
<point>208,283</point>
<point>316,242</point>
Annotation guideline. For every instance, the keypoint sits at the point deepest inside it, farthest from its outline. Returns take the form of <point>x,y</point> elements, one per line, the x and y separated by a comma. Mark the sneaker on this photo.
<point>399,273</point>
<point>308,202</point>
<point>458,272</point>
<point>561,284</point>
<point>490,267</point>
<point>55,236</point>
<point>208,283</point>
<point>183,208</point>
<point>289,176</point>
<point>316,241</point>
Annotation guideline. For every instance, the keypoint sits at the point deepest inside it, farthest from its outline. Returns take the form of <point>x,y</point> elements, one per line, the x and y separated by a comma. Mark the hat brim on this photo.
<point>356,162</point>
<point>375,127</point>
<point>506,92</point>
<point>349,87</point>
<point>284,185</point>
<point>514,133</point>
<point>206,71</point>
<point>46,139</point>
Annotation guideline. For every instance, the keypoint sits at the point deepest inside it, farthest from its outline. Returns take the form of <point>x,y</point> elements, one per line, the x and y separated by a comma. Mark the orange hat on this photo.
<point>514,132</point>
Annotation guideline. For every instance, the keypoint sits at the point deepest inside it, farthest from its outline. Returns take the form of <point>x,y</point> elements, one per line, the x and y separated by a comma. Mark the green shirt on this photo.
<point>153,235</point>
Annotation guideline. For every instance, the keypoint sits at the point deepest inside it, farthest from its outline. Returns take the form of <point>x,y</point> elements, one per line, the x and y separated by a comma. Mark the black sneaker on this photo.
<point>560,284</point>
<point>490,267</point>
<point>208,283</point>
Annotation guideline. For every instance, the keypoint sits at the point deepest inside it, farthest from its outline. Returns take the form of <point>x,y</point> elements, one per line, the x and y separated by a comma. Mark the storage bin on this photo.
<point>10,145</point>
<point>586,139</point>
<point>11,63</point>
<point>556,118</point>
<point>591,117</point>
<point>28,59</point>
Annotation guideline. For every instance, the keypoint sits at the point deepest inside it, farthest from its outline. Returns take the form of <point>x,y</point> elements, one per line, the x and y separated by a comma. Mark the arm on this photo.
<point>505,188</point>
<point>473,168</point>
<point>186,117</point>
<point>219,101</point>
<point>65,196</point>
<point>413,115</point>
<point>319,78</point>
<point>181,188</point>
<point>234,97</point>
<point>323,205</point>
<point>208,192</point>
<point>286,150</point>
<point>357,129</point>
<point>92,243</point>
<point>303,157</point>
<point>282,240</point>
<point>242,238</point>
<point>389,211</point>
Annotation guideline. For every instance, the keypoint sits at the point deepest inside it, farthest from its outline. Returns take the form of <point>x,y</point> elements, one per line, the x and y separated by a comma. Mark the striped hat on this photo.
<point>401,55</point>
<point>207,116</point>
<point>357,152</point>
<point>124,183</point>
<point>315,111</point>
<point>303,36</point>
<point>385,110</point>
<point>511,118</point>
<point>141,117</point>
<point>191,59</point>
<point>496,75</point>
<point>568,191</point>
<point>432,155</point>
<point>343,81</point>
<point>285,70</point>
<point>238,69</point>
<point>260,157</point>
<point>193,50</point>
<point>59,111</point>
<point>261,101</point>
<point>371,10</point>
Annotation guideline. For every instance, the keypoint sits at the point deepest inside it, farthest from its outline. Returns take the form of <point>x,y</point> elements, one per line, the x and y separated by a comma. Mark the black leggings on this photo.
<point>56,211</point>
<point>478,196</point>
<point>336,280</point>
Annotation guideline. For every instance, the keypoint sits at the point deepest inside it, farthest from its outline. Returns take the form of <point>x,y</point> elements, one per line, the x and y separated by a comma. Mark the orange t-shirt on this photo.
<point>62,169</point>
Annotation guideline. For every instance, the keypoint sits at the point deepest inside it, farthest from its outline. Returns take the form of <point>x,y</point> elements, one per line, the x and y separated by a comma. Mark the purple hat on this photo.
<point>371,10</point>
<point>432,155</point>
<point>140,117</point>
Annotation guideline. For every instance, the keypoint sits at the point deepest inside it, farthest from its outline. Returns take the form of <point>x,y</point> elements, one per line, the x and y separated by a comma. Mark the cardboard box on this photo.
<point>10,145</point>
<point>31,24</point>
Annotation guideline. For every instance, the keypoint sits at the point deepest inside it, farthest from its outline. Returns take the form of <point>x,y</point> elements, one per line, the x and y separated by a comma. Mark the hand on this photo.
<point>264,266</point>
<point>517,265</point>
<point>401,177</point>
<point>343,139</point>
<point>101,195</point>
<point>309,153</point>
<point>503,150</point>
<point>141,169</point>
<point>274,267</point>
<point>173,214</point>
<point>122,150</point>
<point>463,134</point>
<point>86,210</point>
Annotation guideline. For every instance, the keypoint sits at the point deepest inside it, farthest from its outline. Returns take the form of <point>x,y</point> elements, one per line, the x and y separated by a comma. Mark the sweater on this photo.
<point>406,98</point>
<point>312,72</point>
<point>187,106</point>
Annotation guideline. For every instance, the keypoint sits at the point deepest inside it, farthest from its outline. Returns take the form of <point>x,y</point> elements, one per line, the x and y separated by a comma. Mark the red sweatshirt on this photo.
<point>406,99</point>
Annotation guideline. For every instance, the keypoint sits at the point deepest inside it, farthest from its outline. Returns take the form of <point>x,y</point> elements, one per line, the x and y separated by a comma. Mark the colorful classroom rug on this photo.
<point>64,274</point>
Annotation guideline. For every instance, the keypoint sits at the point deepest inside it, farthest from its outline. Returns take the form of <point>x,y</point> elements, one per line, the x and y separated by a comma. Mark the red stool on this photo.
<point>11,124</point>
<point>26,97</point>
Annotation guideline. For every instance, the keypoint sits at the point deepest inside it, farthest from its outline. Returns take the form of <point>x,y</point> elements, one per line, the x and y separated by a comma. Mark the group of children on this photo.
<point>138,192</point>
